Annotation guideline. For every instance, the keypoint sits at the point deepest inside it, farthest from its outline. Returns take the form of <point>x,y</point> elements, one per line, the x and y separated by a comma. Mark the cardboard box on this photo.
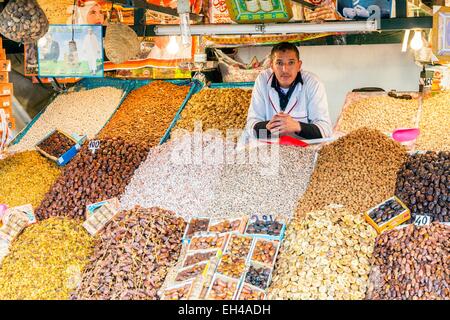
<point>5,102</point>
<point>394,221</point>
<point>4,77</point>
<point>6,89</point>
<point>5,65</point>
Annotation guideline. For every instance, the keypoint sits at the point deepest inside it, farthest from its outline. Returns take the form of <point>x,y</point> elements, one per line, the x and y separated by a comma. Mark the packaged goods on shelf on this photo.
<point>411,263</point>
<point>45,261</point>
<point>92,176</point>
<point>325,255</point>
<point>83,112</point>
<point>423,184</point>
<point>267,179</point>
<point>435,124</point>
<point>122,266</point>
<point>180,175</point>
<point>57,12</point>
<point>146,113</point>
<point>377,112</point>
<point>25,178</point>
<point>358,171</point>
<point>220,109</point>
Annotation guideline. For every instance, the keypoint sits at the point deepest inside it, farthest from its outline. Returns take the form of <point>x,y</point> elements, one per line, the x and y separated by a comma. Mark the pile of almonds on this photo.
<point>358,171</point>
<point>132,256</point>
<point>325,255</point>
<point>423,184</point>
<point>220,109</point>
<point>412,263</point>
<point>146,113</point>
<point>91,177</point>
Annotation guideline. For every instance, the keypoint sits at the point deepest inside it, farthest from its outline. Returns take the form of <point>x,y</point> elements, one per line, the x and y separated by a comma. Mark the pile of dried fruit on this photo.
<point>146,113</point>
<point>358,171</point>
<point>423,184</point>
<point>220,109</point>
<point>83,112</point>
<point>435,124</point>
<point>179,175</point>
<point>325,255</point>
<point>381,112</point>
<point>46,261</point>
<point>56,144</point>
<point>92,177</point>
<point>412,263</point>
<point>133,255</point>
<point>267,180</point>
<point>25,178</point>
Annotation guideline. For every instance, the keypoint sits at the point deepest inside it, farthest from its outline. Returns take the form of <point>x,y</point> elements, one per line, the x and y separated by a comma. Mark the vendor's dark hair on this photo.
<point>283,47</point>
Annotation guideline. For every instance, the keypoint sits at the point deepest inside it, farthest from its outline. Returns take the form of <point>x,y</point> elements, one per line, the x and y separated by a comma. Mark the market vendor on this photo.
<point>287,100</point>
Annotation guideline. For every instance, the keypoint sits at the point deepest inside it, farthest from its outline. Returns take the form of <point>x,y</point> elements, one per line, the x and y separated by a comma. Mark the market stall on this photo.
<point>140,189</point>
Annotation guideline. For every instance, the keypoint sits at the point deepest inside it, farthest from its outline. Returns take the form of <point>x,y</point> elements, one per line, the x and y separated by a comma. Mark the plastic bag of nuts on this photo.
<point>265,251</point>
<point>239,245</point>
<point>232,266</point>
<point>178,292</point>
<point>208,241</point>
<point>222,288</point>
<point>249,292</point>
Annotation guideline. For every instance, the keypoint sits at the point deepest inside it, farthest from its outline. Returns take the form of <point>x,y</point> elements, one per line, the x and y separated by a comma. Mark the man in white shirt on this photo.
<point>287,100</point>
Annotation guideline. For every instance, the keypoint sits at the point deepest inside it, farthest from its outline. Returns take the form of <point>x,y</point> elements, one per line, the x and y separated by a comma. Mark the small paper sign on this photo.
<point>422,220</point>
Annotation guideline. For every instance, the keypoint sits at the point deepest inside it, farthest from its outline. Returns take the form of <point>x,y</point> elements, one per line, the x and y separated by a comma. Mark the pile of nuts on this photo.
<point>23,21</point>
<point>423,184</point>
<point>223,289</point>
<point>269,181</point>
<point>83,112</point>
<point>180,175</point>
<point>45,261</point>
<point>358,171</point>
<point>132,256</point>
<point>325,255</point>
<point>232,266</point>
<point>146,113</point>
<point>239,245</point>
<point>25,178</point>
<point>91,177</point>
<point>380,112</point>
<point>219,109</point>
<point>435,124</point>
<point>265,251</point>
<point>56,144</point>
<point>412,263</point>
<point>259,277</point>
<point>386,211</point>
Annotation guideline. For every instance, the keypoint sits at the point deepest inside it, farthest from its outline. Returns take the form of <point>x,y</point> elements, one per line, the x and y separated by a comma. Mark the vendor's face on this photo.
<point>286,66</point>
<point>95,15</point>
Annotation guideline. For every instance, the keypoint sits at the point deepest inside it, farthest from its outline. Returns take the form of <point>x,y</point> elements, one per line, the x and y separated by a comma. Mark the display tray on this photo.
<point>127,86</point>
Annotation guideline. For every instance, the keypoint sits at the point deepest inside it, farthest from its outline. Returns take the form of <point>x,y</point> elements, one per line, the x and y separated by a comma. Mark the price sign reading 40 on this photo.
<point>422,220</point>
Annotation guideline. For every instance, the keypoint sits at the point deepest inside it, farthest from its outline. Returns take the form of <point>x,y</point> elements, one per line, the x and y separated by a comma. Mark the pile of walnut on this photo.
<point>412,263</point>
<point>325,255</point>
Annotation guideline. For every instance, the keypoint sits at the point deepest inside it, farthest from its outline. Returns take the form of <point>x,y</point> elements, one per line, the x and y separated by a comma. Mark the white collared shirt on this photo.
<point>308,103</point>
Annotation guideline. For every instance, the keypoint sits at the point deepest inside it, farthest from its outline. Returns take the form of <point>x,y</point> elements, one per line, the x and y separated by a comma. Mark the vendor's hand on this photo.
<point>283,124</point>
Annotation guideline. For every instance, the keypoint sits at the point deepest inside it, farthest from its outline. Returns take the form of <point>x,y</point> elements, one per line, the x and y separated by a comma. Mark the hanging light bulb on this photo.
<point>173,46</point>
<point>417,42</point>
